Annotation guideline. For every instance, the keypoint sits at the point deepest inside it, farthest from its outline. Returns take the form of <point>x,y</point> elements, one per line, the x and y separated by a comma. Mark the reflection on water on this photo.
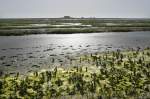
<point>20,53</point>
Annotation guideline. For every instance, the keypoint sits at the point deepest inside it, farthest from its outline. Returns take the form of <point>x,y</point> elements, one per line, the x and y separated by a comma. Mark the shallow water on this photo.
<point>27,53</point>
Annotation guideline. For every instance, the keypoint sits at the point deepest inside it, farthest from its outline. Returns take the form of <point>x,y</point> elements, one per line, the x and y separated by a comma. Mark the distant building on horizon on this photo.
<point>67,17</point>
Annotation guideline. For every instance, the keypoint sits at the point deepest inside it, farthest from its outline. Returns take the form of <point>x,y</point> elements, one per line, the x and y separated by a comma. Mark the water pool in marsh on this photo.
<point>34,52</point>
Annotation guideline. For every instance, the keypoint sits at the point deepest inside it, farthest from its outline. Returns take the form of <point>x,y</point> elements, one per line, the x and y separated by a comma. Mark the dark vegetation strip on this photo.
<point>19,32</point>
<point>26,26</point>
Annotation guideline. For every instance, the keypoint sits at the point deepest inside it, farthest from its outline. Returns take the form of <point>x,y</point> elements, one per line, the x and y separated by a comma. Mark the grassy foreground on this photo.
<point>106,75</point>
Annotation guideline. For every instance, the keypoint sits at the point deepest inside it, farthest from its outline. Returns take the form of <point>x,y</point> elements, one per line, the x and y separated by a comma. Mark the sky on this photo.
<point>75,8</point>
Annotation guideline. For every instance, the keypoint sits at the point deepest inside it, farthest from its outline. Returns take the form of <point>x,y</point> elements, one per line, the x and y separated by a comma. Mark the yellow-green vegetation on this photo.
<point>119,74</point>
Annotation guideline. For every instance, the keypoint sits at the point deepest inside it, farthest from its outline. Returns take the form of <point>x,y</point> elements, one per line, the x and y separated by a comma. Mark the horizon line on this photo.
<point>74,18</point>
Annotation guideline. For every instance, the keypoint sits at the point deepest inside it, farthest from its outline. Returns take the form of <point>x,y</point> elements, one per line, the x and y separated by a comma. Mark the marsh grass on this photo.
<point>117,74</point>
<point>26,27</point>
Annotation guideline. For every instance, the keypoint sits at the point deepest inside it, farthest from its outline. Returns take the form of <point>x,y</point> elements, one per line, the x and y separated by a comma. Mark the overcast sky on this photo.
<point>75,8</point>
